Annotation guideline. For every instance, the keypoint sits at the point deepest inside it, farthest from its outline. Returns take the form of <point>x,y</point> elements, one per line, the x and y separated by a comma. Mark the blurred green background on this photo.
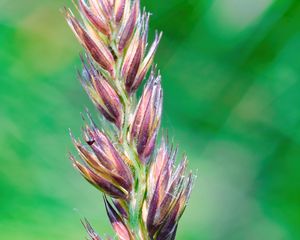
<point>232,101</point>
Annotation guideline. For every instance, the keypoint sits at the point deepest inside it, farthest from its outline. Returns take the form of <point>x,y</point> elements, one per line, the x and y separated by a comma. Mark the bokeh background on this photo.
<point>231,76</point>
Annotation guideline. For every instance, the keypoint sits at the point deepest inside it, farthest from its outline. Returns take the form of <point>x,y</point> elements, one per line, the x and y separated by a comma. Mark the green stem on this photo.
<point>135,205</point>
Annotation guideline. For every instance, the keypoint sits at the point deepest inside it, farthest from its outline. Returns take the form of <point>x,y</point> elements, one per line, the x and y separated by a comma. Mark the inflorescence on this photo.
<point>144,193</point>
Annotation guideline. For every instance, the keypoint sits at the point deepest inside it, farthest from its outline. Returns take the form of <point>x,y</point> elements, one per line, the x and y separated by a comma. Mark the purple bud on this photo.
<point>102,94</point>
<point>94,18</point>
<point>152,210</point>
<point>119,10</point>
<point>117,222</point>
<point>106,7</point>
<point>132,60</point>
<point>170,226</point>
<point>146,63</point>
<point>100,53</point>
<point>168,193</point>
<point>108,155</point>
<point>147,118</point>
<point>128,28</point>
<point>97,164</point>
<point>101,182</point>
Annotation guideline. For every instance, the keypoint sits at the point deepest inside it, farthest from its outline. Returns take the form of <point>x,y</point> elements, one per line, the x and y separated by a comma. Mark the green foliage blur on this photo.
<point>232,102</point>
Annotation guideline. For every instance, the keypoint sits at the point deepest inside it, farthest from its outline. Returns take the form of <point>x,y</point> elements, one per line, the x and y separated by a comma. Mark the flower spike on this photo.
<point>145,194</point>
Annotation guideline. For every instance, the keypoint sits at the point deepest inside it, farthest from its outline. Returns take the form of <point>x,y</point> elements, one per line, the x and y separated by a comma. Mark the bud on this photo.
<point>119,9</point>
<point>169,191</point>
<point>97,49</point>
<point>90,12</point>
<point>128,25</point>
<point>168,230</point>
<point>132,59</point>
<point>118,224</point>
<point>104,167</point>
<point>146,63</point>
<point>136,65</point>
<point>102,94</point>
<point>106,152</point>
<point>147,117</point>
<point>106,8</point>
<point>102,182</point>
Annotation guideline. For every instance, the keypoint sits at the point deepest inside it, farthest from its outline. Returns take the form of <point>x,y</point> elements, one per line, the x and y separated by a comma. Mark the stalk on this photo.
<point>144,193</point>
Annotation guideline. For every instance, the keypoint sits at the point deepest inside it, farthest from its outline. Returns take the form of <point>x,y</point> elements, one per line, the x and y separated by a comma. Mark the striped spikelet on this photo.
<point>144,193</point>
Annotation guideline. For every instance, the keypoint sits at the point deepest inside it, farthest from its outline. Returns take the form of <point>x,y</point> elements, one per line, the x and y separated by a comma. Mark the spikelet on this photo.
<point>144,193</point>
